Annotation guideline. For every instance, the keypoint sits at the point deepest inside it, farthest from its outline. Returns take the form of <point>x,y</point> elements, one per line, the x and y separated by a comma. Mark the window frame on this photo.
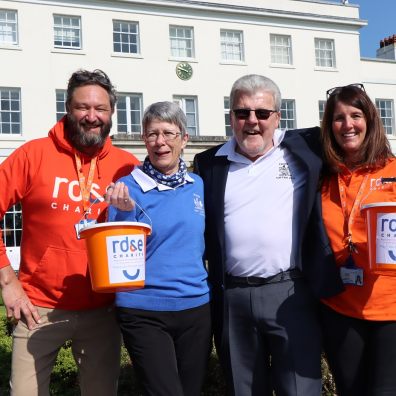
<point>321,59</point>
<point>128,127</point>
<point>60,103</point>
<point>8,112</point>
<point>10,24</point>
<point>15,214</point>
<point>233,56</point>
<point>321,108</point>
<point>182,101</point>
<point>276,47</point>
<point>380,109</point>
<point>227,116</point>
<point>129,35</point>
<point>65,28</point>
<point>286,122</point>
<point>176,51</point>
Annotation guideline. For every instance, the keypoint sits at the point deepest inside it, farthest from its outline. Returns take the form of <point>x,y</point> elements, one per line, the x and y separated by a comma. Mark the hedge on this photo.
<point>64,381</point>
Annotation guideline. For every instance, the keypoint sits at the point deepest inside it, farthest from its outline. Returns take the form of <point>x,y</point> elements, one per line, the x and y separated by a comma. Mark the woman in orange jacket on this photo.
<point>359,324</point>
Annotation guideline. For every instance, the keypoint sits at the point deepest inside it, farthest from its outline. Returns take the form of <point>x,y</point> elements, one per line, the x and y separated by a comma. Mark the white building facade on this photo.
<point>187,51</point>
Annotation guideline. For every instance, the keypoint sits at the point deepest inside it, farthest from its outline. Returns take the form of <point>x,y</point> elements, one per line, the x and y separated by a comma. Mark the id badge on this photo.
<point>81,224</point>
<point>352,276</point>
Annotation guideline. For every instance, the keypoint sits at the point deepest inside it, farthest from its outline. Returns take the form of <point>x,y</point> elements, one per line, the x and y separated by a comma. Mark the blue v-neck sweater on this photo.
<point>176,278</point>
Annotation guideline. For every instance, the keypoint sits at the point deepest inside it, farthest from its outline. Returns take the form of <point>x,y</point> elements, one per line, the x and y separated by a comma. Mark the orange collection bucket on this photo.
<point>381,236</point>
<point>116,255</point>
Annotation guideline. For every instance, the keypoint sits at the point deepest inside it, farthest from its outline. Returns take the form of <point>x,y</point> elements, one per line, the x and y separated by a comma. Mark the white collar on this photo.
<point>228,149</point>
<point>146,183</point>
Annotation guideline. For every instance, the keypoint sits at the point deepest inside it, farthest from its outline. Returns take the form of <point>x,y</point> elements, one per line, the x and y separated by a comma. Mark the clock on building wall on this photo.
<point>184,70</point>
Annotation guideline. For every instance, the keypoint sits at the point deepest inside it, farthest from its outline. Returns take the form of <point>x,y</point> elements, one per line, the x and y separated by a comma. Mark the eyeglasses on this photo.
<point>261,114</point>
<point>336,90</point>
<point>167,136</point>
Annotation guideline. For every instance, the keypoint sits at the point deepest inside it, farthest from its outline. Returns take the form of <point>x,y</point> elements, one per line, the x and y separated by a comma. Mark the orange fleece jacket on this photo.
<point>42,175</point>
<point>376,299</point>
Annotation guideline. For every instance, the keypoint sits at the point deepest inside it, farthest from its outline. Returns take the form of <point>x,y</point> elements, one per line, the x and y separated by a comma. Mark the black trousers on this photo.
<point>361,354</point>
<point>169,350</point>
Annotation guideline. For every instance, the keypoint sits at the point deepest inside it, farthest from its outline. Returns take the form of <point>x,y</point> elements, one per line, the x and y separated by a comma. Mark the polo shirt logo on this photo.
<point>198,205</point>
<point>284,171</point>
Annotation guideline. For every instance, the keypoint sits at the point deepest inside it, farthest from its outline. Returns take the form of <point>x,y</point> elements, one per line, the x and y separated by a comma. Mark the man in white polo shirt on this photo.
<point>260,190</point>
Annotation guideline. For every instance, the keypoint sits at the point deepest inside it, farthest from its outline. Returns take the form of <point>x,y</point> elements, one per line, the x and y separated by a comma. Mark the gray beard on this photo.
<point>82,140</point>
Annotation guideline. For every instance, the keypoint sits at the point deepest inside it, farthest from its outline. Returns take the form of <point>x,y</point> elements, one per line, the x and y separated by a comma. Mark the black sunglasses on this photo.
<point>261,114</point>
<point>336,90</point>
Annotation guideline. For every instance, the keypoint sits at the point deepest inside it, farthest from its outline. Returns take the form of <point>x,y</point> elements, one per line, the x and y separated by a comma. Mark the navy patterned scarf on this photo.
<point>175,180</point>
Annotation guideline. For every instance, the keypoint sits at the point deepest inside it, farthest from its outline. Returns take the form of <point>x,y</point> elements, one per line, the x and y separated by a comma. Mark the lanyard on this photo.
<point>85,187</point>
<point>350,218</point>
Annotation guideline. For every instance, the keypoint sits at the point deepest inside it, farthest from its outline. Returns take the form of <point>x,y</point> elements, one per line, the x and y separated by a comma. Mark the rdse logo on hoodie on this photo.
<point>70,190</point>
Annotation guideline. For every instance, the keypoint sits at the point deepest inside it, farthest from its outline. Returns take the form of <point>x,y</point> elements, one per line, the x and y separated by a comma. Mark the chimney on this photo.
<point>387,49</point>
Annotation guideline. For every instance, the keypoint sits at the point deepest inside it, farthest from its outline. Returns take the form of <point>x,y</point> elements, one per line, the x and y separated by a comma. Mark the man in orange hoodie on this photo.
<point>60,180</point>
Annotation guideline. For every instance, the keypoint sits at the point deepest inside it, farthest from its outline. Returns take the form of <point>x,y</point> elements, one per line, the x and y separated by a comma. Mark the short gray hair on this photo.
<point>167,112</point>
<point>252,83</point>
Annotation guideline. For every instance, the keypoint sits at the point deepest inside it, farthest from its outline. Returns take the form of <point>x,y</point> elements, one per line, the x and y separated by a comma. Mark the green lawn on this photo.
<point>64,377</point>
<point>2,310</point>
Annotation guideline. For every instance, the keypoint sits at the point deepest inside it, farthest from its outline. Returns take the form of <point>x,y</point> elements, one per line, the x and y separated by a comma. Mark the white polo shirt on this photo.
<point>260,211</point>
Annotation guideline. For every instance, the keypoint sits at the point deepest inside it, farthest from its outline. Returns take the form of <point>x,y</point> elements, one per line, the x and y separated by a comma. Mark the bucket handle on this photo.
<point>85,220</point>
<point>143,211</point>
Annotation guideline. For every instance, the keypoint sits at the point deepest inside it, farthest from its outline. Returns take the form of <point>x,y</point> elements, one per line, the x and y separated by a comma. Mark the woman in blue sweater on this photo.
<point>166,325</point>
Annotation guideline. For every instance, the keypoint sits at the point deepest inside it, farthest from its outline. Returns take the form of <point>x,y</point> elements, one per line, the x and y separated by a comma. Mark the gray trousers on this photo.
<point>273,340</point>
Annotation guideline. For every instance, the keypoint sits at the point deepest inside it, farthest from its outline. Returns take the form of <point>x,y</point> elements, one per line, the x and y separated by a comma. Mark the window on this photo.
<point>325,53</point>
<point>11,226</point>
<point>227,118</point>
<point>10,111</point>
<point>231,45</point>
<point>281,51</point>
<point>322,105</point>
<point>60,103</point>
<point>8,27</point>
<point>129,113</point>
<point>126,37</point>
<point>385,109</point>
<point>288,117</point>
<point>189,106</point>
<point>181,41</point>
<point>67,31</point>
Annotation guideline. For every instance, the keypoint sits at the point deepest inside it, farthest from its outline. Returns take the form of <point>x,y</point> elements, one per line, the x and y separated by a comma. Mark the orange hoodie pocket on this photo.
<point>62,272</point>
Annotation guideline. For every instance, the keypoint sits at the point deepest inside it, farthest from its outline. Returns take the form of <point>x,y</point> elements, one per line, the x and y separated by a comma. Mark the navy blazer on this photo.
<point>317,262</point>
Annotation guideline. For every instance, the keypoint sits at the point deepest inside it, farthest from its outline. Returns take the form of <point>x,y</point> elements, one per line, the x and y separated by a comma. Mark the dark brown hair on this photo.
<point>84,77</point>
<point>375,149</point>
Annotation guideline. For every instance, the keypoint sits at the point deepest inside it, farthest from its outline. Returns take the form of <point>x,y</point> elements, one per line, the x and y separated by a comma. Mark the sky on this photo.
<point>381,17</point>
